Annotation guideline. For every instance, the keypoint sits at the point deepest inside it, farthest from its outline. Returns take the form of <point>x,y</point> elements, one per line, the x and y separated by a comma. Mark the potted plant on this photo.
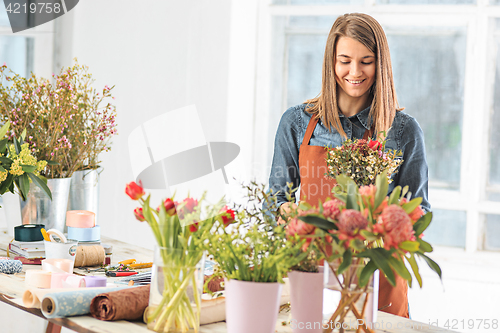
<point>19,168</point>
<point>178,274</point>
<point>254,256</point>
<point>64,125</point>
<point>362,230</point>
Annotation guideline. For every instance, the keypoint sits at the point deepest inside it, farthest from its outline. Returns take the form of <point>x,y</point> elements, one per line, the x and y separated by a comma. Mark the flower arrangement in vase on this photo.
<point>181,230</point>
<point>362,230</point>
<point>254,256</point>
<point>65,121</point>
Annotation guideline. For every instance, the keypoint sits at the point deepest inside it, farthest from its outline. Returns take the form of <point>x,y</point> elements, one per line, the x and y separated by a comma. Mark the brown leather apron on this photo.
<point>314,186</point>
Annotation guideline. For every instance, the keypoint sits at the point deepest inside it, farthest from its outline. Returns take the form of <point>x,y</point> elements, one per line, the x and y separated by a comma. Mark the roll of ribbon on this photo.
<point>89,256</point>
<point>28,232</point>
<point>85,234</point>
<point>57,265</point>
<point>80,219</point>
<point>74,281</point>
<point>38,279</point>
<point>71,303</point>
<point>58,234</point>
<point>57,279</point>
<point>95,281</point>
<point>8,266</point>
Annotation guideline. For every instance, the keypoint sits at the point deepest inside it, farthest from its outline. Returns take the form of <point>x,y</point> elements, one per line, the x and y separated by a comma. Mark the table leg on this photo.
<point>53,328</point>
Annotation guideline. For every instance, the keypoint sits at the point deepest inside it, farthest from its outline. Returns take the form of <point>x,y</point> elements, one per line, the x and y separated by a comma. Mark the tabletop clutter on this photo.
<point>58,292</point>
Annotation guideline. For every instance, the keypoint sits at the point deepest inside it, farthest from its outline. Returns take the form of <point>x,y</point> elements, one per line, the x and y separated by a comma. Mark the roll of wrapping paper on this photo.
<point>32,297</point>
<point>128,304</point>
<point>38,279</point>
<point>71,303</point>
<point>28,232</point>
<point>89,255</point>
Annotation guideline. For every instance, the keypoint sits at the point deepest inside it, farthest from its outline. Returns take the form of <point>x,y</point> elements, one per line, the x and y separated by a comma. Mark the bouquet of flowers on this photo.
<point>181,230</point>
<point>65,121</point>
<point>362,160</point>
<point>254,249</point>
<point>362,230</point>
<point>18,167</point>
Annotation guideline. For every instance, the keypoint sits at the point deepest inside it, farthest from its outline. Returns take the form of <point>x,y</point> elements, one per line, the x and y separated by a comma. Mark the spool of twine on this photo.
<point>92,255</point>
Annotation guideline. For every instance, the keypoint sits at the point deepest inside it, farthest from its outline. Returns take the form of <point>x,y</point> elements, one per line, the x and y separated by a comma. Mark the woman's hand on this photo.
<point>286,209</point>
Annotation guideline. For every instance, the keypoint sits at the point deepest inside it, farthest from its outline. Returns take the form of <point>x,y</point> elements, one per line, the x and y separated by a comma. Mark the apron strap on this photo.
<point>309,130</point>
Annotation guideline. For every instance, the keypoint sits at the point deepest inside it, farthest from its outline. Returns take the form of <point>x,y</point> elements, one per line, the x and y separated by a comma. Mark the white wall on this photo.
<point>161,55</point>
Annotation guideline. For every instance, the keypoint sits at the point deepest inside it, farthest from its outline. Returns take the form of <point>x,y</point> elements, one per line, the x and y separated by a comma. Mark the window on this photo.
<point>446,64</point>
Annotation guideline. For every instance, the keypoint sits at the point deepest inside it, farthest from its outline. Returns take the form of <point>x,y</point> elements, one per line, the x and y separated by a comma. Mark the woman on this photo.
<point>357,100</point>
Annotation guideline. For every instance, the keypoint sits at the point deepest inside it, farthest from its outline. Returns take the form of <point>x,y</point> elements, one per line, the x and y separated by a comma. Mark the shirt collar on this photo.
<point>363,117</point>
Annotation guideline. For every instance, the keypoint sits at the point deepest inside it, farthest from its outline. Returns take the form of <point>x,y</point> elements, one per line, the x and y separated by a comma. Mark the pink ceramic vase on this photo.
<point>252,306</point>
<point>306,298</point>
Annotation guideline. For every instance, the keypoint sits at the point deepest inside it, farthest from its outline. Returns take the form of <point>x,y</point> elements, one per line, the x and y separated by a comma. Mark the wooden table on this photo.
<point>12,288</point>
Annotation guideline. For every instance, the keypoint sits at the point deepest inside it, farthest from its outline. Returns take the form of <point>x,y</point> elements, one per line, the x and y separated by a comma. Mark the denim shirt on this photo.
<point>405,135</point>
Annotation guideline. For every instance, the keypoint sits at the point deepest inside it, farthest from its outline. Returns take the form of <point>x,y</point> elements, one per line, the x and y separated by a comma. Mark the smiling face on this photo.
<point>354,72</point>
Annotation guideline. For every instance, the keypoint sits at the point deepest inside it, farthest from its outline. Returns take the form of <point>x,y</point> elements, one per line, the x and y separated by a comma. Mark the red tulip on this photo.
<point>193,227</point>
<point>134,191</point>
<point>227,216</point>
<point>139,214</point>
<point>169,207</point>
<point>374,145</point>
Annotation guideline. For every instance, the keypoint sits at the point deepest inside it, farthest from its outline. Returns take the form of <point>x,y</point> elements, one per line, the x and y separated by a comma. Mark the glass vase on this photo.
<point>176,289</point>
<point>357,305</point>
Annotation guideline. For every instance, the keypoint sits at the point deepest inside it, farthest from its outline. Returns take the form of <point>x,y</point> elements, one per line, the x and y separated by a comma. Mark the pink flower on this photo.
<point>298,227</point>
<point>350,220</point>
<point>331,208</point>
<point>397,225</point>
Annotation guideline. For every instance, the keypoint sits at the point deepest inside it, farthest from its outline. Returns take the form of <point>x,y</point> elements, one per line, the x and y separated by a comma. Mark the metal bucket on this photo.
<point>84,191</point>
<point>39,209</point>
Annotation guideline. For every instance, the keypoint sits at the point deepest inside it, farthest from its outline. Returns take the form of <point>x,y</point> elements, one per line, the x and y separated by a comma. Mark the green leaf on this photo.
<point>28,168</point>
<point>366,273</point>
<point>41,184</point>
<point>432,264</point>
<point>368,235</point>
<point>3,145</point>
<point>382,188</point>
<point>346,262</point>
<point>341,196</point>
<point>394,198</point>
<point>23,135</point>
<point>342,183</point>
<point>6,184</point>
<point>410,206</point>
<point>414,267</point>
<point>17,146</point>
<point>380,258</point>
<point>424,246</point>
<point>400,268</point>
<point>52,163</point>
<point>405,190</point>
<point>352,196</point>
<point>422,224</point>
<point>409,246</point>
<point>358,244</point>
<point>318,222</point>
<point>2,169</point>
<point>4,129</point>
<point>24,185</point>
<point>5,160</point>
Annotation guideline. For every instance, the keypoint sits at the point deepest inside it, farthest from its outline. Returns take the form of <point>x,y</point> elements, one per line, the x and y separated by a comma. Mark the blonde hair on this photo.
<point>366,30</point>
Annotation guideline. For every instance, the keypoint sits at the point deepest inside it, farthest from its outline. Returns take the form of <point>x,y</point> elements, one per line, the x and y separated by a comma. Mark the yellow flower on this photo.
<point>15,168</point>
<point>3,175</point>
<point>40,165</point>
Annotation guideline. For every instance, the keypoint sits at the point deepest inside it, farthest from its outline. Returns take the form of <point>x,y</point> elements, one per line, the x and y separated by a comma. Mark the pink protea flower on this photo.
<point>397,226</point>
<point>298,227</point>
<point>331,208</point>
<point>368,194</point>
<point>349,221</point>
